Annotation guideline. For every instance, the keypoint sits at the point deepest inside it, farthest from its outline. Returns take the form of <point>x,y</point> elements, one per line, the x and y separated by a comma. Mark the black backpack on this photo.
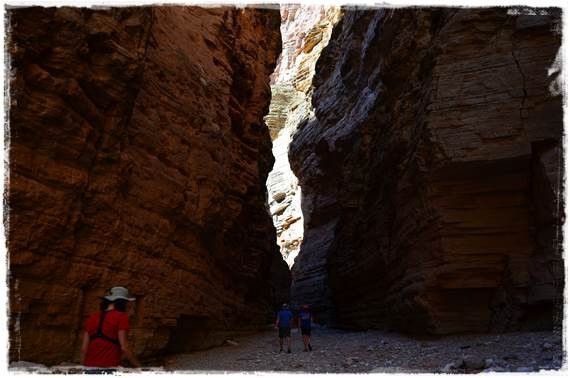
<point>99,334</point>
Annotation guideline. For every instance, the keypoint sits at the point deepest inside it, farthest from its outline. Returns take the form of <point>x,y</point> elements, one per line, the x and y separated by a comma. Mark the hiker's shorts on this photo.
<point>284,332</point>
<point>305,331</point>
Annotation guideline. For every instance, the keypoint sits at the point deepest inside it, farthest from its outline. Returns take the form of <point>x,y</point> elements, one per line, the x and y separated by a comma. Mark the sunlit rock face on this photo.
<point>138,157</point>
<point>306,30</point>
<point>431,172</point>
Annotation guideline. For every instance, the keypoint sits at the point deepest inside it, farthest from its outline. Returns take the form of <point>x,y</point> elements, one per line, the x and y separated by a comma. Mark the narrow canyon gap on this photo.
<point>306,30</point>
<point>138,157</point>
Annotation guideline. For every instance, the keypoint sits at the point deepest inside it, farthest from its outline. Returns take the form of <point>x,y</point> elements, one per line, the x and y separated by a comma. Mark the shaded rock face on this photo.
<point>306,30</point>
<point>431,172</point>
<point>138,157</point>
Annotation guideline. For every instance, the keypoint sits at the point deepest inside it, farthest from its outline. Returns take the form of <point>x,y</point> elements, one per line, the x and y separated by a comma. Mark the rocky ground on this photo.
<point>336,351</point>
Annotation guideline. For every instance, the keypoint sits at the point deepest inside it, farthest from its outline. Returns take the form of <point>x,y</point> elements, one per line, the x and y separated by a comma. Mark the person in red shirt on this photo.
<point>105,337</point>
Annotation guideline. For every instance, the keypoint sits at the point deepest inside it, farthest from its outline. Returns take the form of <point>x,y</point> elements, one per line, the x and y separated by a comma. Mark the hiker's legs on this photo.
<point>289,342</point>
<point>306,332</point>
<point>308,338</point>
<point>280,344</point>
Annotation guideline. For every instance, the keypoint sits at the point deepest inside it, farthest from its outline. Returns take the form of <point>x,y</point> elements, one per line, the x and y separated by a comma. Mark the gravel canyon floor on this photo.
<point>336,351</point>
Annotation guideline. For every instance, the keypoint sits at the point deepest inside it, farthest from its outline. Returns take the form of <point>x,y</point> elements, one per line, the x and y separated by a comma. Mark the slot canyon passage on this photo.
<point>416,188</point>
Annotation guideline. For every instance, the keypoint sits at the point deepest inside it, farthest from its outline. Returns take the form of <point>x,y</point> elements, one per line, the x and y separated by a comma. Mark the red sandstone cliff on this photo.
<point>138,157</point>
<point>431,172</point>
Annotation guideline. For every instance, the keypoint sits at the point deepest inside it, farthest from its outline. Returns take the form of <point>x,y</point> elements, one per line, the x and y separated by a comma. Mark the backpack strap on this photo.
<point>99,334</point>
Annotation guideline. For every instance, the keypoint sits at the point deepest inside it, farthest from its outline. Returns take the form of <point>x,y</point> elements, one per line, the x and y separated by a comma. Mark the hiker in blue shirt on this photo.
<point>283,323</point>
<point>305,319</point>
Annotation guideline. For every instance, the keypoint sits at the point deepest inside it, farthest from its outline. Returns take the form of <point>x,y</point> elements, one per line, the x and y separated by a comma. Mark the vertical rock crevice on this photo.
<point>306,30</point>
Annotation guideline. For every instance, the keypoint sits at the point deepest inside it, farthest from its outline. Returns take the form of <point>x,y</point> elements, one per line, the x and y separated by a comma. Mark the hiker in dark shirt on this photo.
<point>305,321</point>
<point>283,323</point>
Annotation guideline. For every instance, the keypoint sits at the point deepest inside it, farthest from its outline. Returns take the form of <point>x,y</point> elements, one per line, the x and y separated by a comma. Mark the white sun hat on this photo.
<point>119,292</point>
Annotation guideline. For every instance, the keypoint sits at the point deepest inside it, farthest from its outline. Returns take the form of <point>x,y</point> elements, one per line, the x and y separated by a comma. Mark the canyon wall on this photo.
<point>431,171</point>
<point>306,30</point>
<point>138,157</point>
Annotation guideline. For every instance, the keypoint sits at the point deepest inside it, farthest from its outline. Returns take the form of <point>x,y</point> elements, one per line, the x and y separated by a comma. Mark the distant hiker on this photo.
<point>283,323</point>
<point>105,334</point>
<point>305,321</point>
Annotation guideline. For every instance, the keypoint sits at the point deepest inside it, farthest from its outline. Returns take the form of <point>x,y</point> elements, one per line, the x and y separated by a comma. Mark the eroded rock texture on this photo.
<point>431,172</point>
<point>306,30</point>
<point>138,157</point>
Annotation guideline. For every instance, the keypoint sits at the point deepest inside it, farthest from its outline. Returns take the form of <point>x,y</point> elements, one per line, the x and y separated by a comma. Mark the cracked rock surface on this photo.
<point>138,157</point>
<point>432,172</point>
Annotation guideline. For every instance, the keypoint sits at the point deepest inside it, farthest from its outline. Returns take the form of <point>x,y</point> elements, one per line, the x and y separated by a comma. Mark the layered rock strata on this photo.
<point>306,30</point>
<point>431,172</point>
<point>138,157</point>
